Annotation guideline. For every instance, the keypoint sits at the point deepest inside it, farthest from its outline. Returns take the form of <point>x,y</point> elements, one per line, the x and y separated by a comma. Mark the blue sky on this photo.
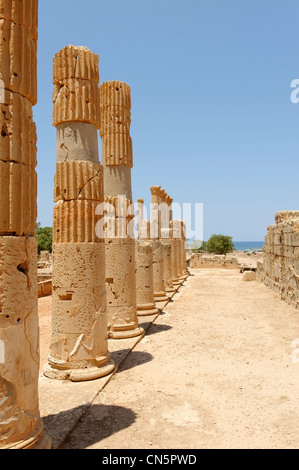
<point>212,119</point>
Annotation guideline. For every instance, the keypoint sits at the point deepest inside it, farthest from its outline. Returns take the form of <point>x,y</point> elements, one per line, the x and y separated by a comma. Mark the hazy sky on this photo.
<point>212,118</point>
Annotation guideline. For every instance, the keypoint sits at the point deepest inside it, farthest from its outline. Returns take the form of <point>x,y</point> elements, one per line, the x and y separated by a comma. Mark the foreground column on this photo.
<point>79,346</point>
<point>117,159</point>
<point>20,423</point>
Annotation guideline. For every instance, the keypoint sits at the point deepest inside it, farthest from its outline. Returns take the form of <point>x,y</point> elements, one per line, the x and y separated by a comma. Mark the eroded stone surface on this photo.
<point>19,72</point>
<point>18,189</point>
<point>144,279</point>
<point>79,345</point>
<point>115,99</point>
<point>280,269</point>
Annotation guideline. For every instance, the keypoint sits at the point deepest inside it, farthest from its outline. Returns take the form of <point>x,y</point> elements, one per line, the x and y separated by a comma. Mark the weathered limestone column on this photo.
<point>79,346</point>
<point>167,259</point>
<point>144,266</point>
<point>158,259</point>
<point>117,160</point>
<point>185,271</point>
<point>144,279</point>
<point>20,424</point>
<point>173,241</point>
<point>140,203</point>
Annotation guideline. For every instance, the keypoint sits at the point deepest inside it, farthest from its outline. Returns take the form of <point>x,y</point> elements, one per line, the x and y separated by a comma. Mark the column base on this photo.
<point>147,310</point>
<point>126,334</point>
<point>171,290</point>
<point>161,297</point>
<point>177,282</point>
<point>80,374</point>
<point>40,440</point>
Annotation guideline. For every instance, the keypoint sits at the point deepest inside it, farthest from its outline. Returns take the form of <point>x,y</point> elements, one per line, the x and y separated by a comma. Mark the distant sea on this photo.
<point>249,246</point>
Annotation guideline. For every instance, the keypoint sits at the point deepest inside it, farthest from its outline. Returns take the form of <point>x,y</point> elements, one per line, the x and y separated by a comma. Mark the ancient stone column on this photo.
<point>79,346</point>
<point>140,204</point>
<point>144,279</point>
<point>167,273</point>
<point>173,234</point>
<point>185,271</point>
<point>117,160</point>
<point>158,257</point>
<point>20,424</point>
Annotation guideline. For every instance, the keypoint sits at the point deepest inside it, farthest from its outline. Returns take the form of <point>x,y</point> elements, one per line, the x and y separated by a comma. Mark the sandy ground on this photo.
<point>214,371</point>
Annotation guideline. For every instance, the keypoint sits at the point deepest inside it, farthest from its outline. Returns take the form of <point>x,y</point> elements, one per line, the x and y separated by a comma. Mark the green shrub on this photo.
<point>220,244</point>
<point>44,238</point>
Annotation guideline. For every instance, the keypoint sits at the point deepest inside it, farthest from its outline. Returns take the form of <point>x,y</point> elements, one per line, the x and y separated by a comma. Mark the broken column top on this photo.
<point>76,94</point>
<point>155,190</point>
<point>76,62</point>
<point>115,93</point>
<point>286,216</point>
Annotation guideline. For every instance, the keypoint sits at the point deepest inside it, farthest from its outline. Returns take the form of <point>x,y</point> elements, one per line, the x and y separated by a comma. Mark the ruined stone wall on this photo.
<point>280,269</point>
<point>199,260</point>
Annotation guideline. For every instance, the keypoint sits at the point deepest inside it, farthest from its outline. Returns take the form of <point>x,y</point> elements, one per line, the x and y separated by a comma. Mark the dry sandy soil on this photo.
<point>214,371</point>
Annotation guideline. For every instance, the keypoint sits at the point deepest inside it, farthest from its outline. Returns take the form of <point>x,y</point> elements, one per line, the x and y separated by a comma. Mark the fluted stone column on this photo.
<point>158,257</point>
<point>117,160</point>
<point>173,241</point>
<point>20,424</point>
<point>79,346</point>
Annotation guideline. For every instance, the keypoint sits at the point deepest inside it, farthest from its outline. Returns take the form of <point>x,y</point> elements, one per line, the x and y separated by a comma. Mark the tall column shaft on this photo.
<point>144,280</point>
<point>79,345</point>
<point>117,160</point>
<point>20,424</point>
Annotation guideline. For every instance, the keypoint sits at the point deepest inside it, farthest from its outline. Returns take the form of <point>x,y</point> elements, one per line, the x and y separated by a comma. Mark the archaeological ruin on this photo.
<point>102,278</point>
<point>280,267</point>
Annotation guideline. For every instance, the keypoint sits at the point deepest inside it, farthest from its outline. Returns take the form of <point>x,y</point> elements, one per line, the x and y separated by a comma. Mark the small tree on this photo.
<point>44,238</point>
<point>220,244</point>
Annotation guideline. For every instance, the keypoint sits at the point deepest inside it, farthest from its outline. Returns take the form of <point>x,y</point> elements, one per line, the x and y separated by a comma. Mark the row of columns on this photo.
<point>102,285</point>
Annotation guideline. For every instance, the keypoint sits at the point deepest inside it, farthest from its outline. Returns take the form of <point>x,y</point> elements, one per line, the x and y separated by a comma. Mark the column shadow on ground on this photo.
<point>156,328</point>
<point>134,359</point>
<point>97,422</point>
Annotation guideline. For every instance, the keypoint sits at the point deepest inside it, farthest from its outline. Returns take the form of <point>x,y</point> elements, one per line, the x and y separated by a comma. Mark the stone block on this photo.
<point>78,180</point>
<point>18,131</point>
<point>21,13</point>
<point>75,310</point>
<point>75,62</point>
<point>76,100</point>
<point>120,272</point>
<point>18,279</point>
<point>78,265</point>
<point>249,276</point>
<point>117,149</point>
<point>115,120</point>
<point>75,222</point>
<point>77,141</point>
<point>18,62</point>
<point>115,94</point>
<point>18,189</point>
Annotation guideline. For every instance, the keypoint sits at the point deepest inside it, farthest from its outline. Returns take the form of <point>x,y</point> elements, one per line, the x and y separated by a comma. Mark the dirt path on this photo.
<point>215,371</point>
